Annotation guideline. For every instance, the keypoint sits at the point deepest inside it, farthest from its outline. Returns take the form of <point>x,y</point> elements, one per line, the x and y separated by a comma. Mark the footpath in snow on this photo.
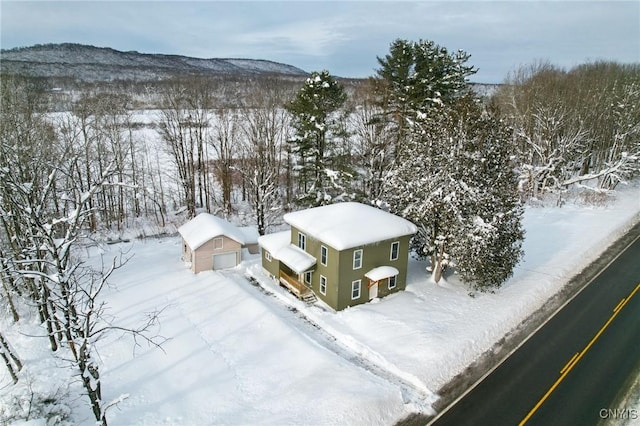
<point>242,352</point>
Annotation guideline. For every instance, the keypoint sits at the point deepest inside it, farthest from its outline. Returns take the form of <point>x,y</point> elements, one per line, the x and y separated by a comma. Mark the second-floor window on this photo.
<point>324,254</point>
<point>302,241</point>
<point>395,248</point>
<point>357,259</point>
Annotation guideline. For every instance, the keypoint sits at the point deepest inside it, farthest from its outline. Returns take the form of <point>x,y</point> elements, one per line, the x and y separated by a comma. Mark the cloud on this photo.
<point>344,37</point>
<point>314,38</point>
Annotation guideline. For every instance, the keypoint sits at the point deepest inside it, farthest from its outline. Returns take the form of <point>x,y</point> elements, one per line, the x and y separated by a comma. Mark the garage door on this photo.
<point>225,260</point>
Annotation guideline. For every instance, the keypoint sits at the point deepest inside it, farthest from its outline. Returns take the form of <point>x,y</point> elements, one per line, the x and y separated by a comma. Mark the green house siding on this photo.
<point>330,271</point>
<point>373,255</point>
<point>339,272</point>
<point>400,264</point>
<point>271,266</point>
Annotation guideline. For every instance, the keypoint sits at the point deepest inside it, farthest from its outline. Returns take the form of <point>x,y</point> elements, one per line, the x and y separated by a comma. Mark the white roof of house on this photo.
<point>206,226</point>
<point>250,234</point>
<point>280,247</point>
<point>295,258</point>
<point>381,272</point>
<point>274,242</point>
<point>347,225</point>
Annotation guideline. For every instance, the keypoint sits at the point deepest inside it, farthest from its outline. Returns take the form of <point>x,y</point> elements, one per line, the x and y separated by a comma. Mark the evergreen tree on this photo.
<point>488,240</point>
<point>417,77</point>
<point>453,178</point>
<point>318,127</point>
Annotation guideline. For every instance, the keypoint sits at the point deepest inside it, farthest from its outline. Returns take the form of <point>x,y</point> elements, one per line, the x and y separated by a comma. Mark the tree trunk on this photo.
<point>8,355</point>
<point>12,307</point>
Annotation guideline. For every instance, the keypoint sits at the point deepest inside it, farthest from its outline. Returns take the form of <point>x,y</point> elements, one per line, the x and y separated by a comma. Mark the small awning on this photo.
<point>295,258</point>
<point>381,272</point>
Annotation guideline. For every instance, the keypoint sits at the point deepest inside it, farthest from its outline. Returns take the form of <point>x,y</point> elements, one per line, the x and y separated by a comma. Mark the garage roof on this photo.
<point>206,226</point>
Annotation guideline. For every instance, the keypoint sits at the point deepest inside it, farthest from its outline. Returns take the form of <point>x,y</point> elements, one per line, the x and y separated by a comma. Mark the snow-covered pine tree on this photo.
<point>487,245</point>
<point>420,188</point>
<point>452,176</point>
<point>416,77</point>
<point>316,121</point>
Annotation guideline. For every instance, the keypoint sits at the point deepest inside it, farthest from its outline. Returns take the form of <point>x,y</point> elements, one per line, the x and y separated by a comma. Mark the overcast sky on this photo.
<point>343,37</point>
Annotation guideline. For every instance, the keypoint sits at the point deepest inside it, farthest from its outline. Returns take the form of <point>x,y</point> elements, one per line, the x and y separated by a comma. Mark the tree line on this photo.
<point>576,127</point>
<point>58,182</point>
<point>413,139</point>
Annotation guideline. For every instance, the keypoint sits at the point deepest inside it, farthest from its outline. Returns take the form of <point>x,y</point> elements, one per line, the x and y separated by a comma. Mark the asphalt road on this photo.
<point>572,368</point>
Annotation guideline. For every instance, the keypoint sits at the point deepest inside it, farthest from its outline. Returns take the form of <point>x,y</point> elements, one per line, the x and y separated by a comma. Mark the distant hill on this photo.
<point>94,64</point>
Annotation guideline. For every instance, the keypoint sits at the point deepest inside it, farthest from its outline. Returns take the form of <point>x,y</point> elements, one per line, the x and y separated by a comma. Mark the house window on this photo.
<point>323,285</point>
<point>393,281</point>
<point>357,259</point>
<point>302,241</point>
<point>307,277</point>
<point>324,254</point>
<point>355,289</point>
<point>267,256</point>
<point>395,248</point>
<point>217,243</point>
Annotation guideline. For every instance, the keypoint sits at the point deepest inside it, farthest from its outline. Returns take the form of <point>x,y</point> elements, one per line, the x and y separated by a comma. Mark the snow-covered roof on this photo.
<point>381,272</point>
<point>347,225</point>
<point>206,226</point>
<point>274,242</point>
<point>250,234</point>
<point>295,258</point>
<point>280,247</point>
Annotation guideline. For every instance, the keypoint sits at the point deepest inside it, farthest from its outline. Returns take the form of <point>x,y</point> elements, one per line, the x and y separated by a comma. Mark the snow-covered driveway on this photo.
<point>233,356</point>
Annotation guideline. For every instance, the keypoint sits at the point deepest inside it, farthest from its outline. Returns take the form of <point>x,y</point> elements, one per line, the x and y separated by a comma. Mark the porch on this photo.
<point>294,286</point>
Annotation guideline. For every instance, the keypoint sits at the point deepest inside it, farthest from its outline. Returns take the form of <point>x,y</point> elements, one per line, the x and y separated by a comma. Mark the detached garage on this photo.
<point>209,242</point>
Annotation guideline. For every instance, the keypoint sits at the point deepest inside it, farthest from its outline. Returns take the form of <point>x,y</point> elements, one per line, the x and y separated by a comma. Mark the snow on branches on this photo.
<point>453,177</point>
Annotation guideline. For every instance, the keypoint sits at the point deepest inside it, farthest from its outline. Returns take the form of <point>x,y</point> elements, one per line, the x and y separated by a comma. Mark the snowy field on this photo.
<point>242,352</point>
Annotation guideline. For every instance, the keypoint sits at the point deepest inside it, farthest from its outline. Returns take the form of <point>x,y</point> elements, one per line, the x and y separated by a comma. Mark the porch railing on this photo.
<point>295,286</point>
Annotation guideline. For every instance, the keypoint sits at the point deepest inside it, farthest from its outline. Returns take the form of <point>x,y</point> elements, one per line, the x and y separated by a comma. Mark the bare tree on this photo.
<point>45,208</point>
<point>265,128</point>
<point>574,127</point>
<point>175,122</point>
<point>374,142</point>
<point>225,144</point>
<point>185,126</point>
<point>11,360</point>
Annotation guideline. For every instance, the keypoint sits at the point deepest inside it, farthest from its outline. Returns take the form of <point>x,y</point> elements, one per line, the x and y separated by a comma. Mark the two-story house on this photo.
<point>345,253</point>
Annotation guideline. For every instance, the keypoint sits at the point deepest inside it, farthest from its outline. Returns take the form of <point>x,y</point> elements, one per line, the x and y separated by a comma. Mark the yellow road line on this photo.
<point>576,358</point>
<point>570,363</point>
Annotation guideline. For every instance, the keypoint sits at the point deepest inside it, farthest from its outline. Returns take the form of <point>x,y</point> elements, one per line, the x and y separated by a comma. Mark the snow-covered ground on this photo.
<point>242,352</point>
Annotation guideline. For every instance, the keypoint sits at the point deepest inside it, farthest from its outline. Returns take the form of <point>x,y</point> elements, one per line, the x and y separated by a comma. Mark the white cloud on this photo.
<point>344,37</point>
<point>315,38</point>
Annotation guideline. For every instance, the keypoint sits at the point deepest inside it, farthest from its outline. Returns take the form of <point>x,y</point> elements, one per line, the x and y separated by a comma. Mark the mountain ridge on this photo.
<point>91,63</point>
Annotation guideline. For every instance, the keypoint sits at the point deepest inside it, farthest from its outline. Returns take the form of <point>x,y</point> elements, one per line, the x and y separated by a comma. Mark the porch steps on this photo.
<point>309,298</point>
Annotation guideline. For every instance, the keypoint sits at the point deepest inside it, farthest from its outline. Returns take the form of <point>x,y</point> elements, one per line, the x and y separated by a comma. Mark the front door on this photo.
<point>373,290</point>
